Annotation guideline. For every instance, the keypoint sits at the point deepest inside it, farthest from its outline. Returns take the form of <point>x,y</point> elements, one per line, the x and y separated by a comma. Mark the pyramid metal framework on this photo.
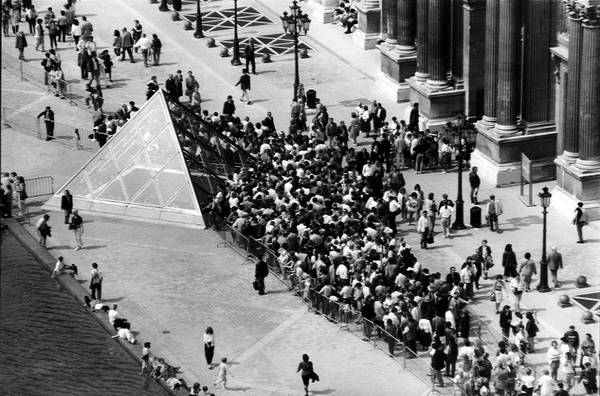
<point>163,165</point>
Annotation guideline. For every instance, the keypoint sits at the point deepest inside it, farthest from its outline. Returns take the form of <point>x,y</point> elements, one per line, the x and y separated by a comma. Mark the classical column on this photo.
<point>571,137</point>
<point>509,38</point>
<point>492,13</point>
<point>422,40</point>
<point>389,11</point>
<point>407,29</point>
<point>589,95</point>
<point>437,62</point>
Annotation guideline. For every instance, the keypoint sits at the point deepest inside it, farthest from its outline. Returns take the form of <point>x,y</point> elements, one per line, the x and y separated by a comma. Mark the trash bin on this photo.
<point>476,217</point>
<point>311,99</point>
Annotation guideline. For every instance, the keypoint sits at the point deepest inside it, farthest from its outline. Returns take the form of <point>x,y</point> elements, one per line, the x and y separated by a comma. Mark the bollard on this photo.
<point>224,52</point>
<point>174,16</point>
<point>303,53</point>
<point>266,58</point>
<point>564,301</point>
<point>187,25</point>
<point>210,42</point>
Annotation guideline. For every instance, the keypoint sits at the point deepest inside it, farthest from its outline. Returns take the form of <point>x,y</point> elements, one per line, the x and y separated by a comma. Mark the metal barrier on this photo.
<point>39,186</point>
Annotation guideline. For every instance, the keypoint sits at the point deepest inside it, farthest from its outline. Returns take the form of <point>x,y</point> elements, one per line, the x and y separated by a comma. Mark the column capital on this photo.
<point>591,16</point>
<point>574,9</point>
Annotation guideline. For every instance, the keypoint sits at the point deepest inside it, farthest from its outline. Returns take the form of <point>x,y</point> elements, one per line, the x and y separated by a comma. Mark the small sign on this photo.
<point>526,176</point>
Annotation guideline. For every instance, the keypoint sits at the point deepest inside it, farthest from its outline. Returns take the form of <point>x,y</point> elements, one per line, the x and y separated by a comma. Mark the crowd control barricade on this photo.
<point>39,186</point>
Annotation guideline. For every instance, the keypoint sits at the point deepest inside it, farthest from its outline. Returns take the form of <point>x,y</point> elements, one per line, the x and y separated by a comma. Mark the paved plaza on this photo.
<point>172,282</point>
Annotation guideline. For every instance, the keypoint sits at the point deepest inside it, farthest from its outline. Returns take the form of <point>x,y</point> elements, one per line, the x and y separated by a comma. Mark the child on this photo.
<point>222,373</point>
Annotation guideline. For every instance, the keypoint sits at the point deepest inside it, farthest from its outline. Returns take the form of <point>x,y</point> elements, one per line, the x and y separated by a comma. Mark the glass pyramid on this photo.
<point>165,159</point>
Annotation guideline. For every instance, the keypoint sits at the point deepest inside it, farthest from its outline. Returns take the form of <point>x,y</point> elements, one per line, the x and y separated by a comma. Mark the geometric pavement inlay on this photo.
<point>589,302</point>
<point>272,44</point>
<point>223,19</point>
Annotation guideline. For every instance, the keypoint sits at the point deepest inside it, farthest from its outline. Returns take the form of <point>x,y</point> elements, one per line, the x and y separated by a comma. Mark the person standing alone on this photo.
<point>494,209</point>
<point>76,226</point>
<point>21,44</point>
<point>580,220</point>
<point>249,55</point>
<point>554,264</point>
<point>96,282</point>
<point>209,346</point>
<point>475,182</point>
<point>260,273</point>
<point>244,84</point>
<point>49,121</point>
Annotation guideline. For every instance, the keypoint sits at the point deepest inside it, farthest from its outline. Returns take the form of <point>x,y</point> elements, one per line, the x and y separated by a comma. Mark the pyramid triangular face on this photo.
<point>154,167</point>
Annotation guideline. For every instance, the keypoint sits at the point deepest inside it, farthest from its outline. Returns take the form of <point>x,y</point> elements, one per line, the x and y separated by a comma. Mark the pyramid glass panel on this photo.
<point>162,149</point>
<point>79,187</point>
<point>136,175</point>
<point>170,180</point>
<point>126,146</point>
<point>151,120</point>
<point>100,175</point>
<point>148,196</point>
<point>183,200</point>
<point>114,192</point>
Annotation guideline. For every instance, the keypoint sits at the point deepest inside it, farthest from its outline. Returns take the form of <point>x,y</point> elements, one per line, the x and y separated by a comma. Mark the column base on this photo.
<point>322,10</point>
<point>436,106</point>
<point>434,85</point>
<point>406,50</point>
<point>569,157</point>
<point>587,166</point>
<point>506,130</point>
<point>395,69</point>
<point>487,122</point>
<point>498,159</point>
<point>369,23</point>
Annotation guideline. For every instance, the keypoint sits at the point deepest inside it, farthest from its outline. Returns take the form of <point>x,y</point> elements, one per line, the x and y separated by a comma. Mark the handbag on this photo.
<point>22,195</point>
<point>255,285</point>
<point>489,261</point>
<point>430,239</point>
<point>493,296</point>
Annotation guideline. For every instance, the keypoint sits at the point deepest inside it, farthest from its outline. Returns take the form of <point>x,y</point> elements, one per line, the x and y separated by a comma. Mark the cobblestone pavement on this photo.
<point>172,283</point>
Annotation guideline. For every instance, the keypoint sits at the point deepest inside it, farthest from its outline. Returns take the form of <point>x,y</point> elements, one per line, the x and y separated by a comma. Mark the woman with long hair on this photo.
<point>209,346</point>
<point>117,42</point>
<point>509,262</point>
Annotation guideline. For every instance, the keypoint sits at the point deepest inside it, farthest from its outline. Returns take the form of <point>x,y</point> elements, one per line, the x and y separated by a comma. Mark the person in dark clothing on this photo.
<point>171,87</point>
<point>260,273</point>
<point>229,107</point>
<point>505,319</point>
<point>244,83</point>
<point>437,364</point>
<point>475,182</point>
<point>249,55</point>
<point>49,121</point>
<point>66,205</point>
<point>413,121</point>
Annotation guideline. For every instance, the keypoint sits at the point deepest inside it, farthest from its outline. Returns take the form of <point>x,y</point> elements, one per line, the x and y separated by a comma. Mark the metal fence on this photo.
<point>39,186</point>
<point>34,74</point>
<point>69,135</point>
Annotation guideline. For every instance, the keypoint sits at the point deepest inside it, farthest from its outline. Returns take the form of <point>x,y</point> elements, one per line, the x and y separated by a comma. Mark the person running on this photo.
<point>305,367</point>
<point>222,373</point>
<point>244,83</point>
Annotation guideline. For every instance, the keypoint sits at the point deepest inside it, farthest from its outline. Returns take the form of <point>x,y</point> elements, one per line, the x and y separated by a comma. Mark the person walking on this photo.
<point>244,83</point>
<point>136,31</point>
<point>527,269</point>
<point>96,282</point>
<point>423,227</point>
<point>21,44</point>
<point>76,33</point>
<point>222,373</point>
<point>580,219</point>
<point>144,45</point>
<point>43,229</point>
<point>117,42</point>
<point>126,45</point>
<point>516,286</point>
<point>39,35</point>
<point>249,55</point>
<point>445,212</point>
<point>498,293</point>
<point>93,67</point>
<point>306,369</point>
<point>86,28</point>
<point>209,346</point>
<point>76,225</point>
<point>554,264</point>
<point>260,273</point>
<point>509,262</point>
<point>493,210</point>
<point>505,322</point>
<point>190,84</point>
<point>31,17</point>
<point>49,121</point>
<point>156,46</point>
<point>438,359</point>
<point>475,182</point>
<point>66,205</point>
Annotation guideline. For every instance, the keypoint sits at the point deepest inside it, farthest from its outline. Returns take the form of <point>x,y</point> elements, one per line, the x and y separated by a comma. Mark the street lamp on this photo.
<point>459,223</point>
<point>236,42</point>
<point>295,24</point>
<point>545,202</point>
<point>199,33</point>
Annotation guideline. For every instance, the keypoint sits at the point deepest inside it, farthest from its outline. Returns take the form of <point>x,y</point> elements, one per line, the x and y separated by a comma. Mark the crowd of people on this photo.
<point>14,194</point>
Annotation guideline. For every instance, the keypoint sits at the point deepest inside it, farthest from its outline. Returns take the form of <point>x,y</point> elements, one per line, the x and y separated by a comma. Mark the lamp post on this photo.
<point>459,223</point>
<point>545,202</point>
<point>199,33</point>
<point>236,41</point>
<point>295,24</point>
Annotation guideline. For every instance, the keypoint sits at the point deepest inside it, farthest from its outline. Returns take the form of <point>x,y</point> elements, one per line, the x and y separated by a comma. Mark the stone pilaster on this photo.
<point>509,36</point>
<point>589,95</point>
<point>422,40</point>
<point>437,62</point>
<point>369,24</point>
<point>406,16</point>
<point>457,55</point>
<point>571,137</point>
<point>322,10</point>
<point>473,64</point>
<point>492,13</point>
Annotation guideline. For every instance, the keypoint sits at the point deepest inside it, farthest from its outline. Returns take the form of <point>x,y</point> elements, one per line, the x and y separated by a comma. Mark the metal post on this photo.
<point>199,33</point>
<point>236,42</point>
<point>459,223</point>
<point>543,285</point>
<point>71,101</point>
<point>163,5</point>
<point>296,68</point>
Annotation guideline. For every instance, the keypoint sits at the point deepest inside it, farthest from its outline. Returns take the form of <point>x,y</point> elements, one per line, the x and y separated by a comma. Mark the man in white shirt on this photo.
<point>467,350</point>
<point>124,334</point>
<point>113,314</point>
<point>144,44</point>
<point>423,227</point>
<point>342,274</point>
<point>446,213</point>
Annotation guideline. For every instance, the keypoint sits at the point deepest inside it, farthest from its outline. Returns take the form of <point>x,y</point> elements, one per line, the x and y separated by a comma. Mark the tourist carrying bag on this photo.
<point>255,285</point>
